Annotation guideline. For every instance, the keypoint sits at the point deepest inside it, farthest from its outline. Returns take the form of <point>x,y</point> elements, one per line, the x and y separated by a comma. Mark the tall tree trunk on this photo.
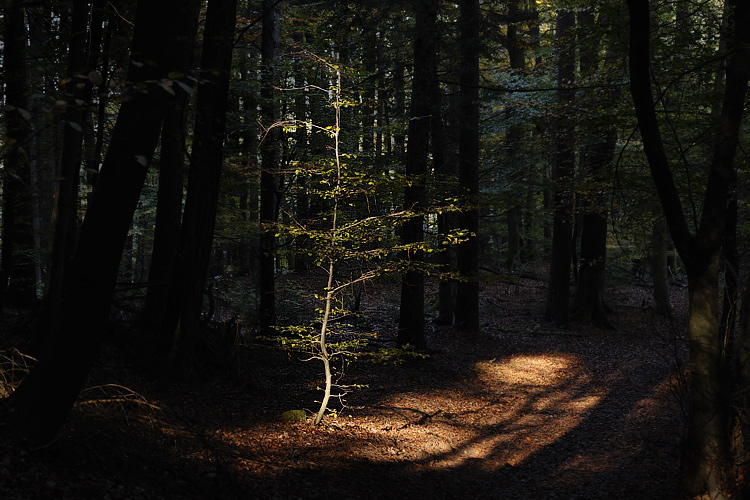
<point>40,405</point>
<point>467,252</point>
<point>188,282</point>
<point>169,196</point>
<point>270,156</point>
<point>442,175</point>
<point>563,170</point>
<point>411,319</point>
<point>17,276</point>
<point>589,304</point>
<point>707,467</point>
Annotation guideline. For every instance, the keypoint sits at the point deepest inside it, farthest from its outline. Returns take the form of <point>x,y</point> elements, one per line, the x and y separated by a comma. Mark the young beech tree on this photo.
<point>708,466</point>
<point>41,403</point>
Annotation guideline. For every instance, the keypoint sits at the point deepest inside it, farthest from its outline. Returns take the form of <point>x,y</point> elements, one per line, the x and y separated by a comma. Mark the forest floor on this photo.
<point>524,411</point>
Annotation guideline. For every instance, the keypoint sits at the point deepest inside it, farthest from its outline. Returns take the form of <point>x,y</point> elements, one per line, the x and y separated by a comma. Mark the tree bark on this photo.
<point>40,405</point>
<point>707,466</point>
<point>467,252</point>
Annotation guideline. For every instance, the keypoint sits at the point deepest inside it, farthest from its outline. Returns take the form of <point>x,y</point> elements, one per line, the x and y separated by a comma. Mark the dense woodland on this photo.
<point>190,179</point>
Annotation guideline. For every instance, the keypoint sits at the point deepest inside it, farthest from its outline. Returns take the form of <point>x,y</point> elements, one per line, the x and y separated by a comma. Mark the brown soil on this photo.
<point>522,412</point>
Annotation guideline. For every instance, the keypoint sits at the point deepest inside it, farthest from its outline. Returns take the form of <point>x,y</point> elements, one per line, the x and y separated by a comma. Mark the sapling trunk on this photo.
<point>330,291</point>
<point>324,356</point>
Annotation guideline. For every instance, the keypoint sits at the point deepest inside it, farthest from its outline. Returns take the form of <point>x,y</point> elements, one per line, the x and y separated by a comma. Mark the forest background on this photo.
<point>179,159</point>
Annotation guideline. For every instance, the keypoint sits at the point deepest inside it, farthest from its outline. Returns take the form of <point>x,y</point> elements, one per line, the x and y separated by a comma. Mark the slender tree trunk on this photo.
<point>17,276</point>
<point>442,174</point>
<point>40,405</point>
<point>467,252</point>
<point>517,58</point>
<point>270,156</point>
<point>563,170</point>
<point>707,468</point>
<point>411,319</point>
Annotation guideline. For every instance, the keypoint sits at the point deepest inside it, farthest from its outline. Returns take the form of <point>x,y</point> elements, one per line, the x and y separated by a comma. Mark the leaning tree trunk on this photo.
<point>169,196</point>
<point>40,405</point>
<point>707,467</point>
<point>411,318</point>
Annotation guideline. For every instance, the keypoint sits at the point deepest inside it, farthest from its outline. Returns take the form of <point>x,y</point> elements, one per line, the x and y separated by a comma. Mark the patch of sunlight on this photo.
<point>538,369</point>
<point>523,403</point>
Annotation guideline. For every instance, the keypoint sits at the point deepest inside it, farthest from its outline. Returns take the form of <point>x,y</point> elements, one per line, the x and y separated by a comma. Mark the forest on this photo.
<point>384,249</point>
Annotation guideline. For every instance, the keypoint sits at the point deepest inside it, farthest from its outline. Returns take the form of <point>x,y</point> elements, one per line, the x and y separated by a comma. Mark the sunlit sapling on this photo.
<point>339,237</point>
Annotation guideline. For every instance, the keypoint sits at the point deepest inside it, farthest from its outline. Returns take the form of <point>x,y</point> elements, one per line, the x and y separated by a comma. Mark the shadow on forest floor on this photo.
<point>521,412</point>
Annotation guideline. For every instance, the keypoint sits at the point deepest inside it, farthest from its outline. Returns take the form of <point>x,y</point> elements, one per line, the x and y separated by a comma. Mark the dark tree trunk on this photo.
<point>411,319</point>
<point>188,282</point>
<point>168,214</point>
<point>40,405</point>
<point>169,196</point>
<point>589,303</point>
<point>17,275</point>
<point>65,211</point>
<point>563,170</point>
<point>270,156</point>
<point>442,174</point>
<point>707,467</point>
<point>467,252</point>
<point>660,268</point>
